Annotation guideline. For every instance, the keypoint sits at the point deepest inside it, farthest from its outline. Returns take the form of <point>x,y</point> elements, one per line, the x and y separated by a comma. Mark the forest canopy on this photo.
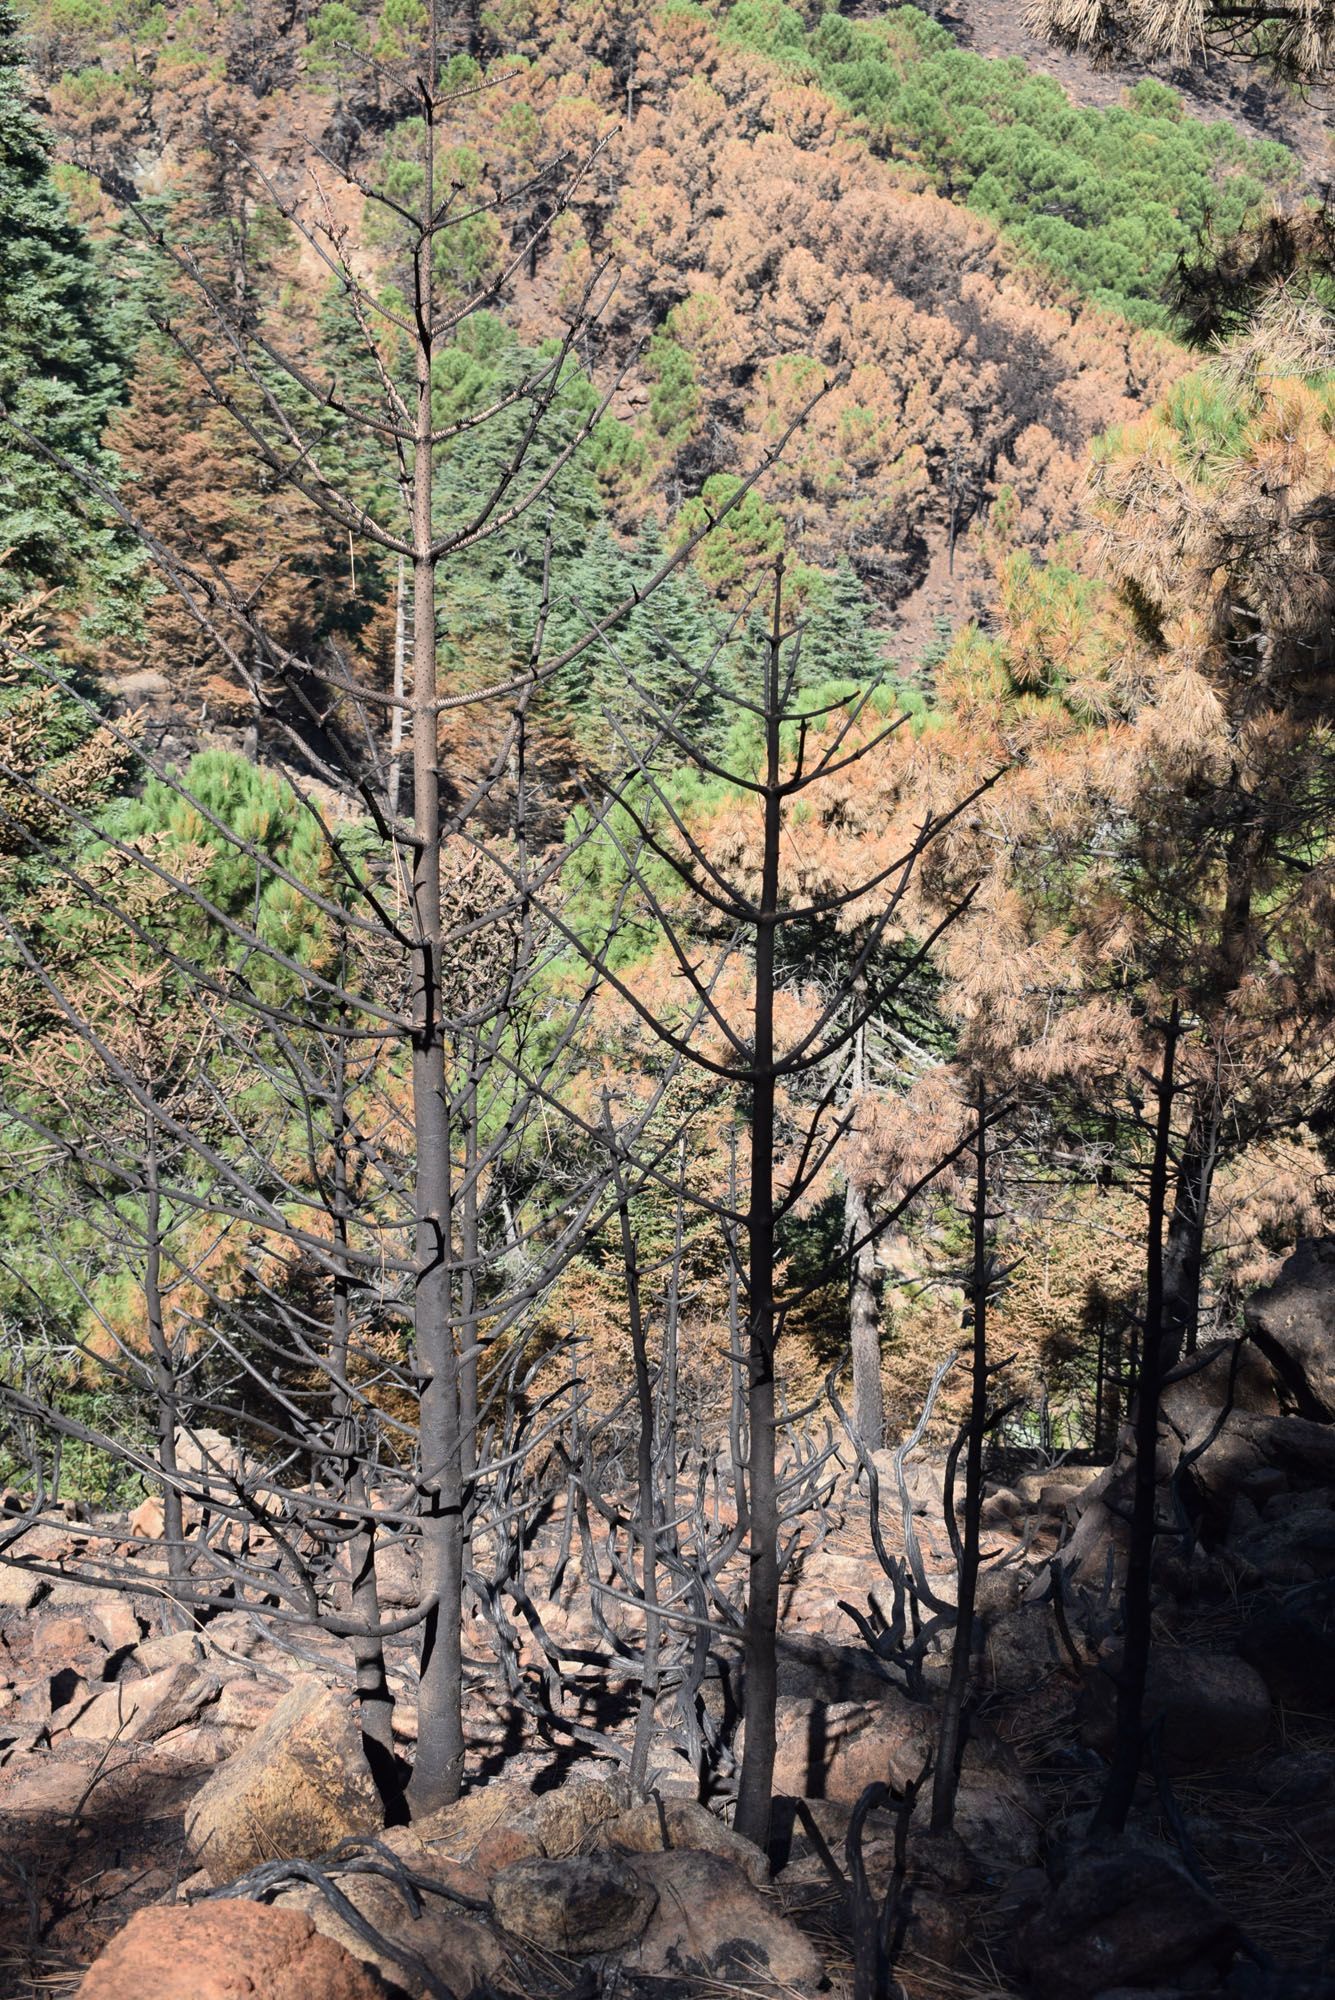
<point>667,834</point>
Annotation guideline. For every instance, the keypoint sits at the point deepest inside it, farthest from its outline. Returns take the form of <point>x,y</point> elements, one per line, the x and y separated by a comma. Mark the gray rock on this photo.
<point>1292,1321</point>
<point>660,1825</point>
<point>1122,1915</point>
<point>710,1922</point>
<point>576,1905</point>
<point>1213,1708</point>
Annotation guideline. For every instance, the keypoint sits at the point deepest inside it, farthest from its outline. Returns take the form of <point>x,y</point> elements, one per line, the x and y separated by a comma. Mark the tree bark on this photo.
<point>950,1735</point>
<point>165,1394</point>
<point>1119,1790</point>
<point>438,1770</point>
<point>762,1602</point>
<point>1184,1257</point>
<point>864,1327</point>
<point>375,1702</point>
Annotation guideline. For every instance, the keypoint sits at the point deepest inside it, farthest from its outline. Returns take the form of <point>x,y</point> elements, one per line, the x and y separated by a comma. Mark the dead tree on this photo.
<point>743,918</point>
<point>1137,1598</point>
<point>418,1247</point>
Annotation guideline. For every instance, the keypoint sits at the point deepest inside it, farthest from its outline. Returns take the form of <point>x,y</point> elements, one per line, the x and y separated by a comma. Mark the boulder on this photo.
<point>505,1822</point>
<point>299,1787</point>
<point>580,1905</point>
<point>661,1825</point>
<point>710,1922</point>
<point>1123,1915</point>
<point>169,1649</point>
<point>226,1951</point>
<point>141,1711</point>
<point>1213,1707</point>
<point>458,1947</point>
<point>834,1750</point>
<point>1292,1321</point>
<point>1292,1542</point>
<point>116,1623</point>
<point>19,1588</point>
<point>1290,1640</point>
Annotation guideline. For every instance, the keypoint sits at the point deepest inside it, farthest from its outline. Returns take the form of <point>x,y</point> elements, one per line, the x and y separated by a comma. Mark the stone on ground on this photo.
<point>299,1786</point>
<point>577,1905</point>
<point>458,1947</point>
<point>226,1951</point>
<point>711,1923</point>
<point>659,1825</point>
<point>1123,1916</point>
<point>141,1711</point>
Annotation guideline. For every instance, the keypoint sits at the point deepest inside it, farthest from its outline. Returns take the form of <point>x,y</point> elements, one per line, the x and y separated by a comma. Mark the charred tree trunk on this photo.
<point>165,1394</point>
<point>864,1324</point>
<point>1119,1790</point>
<point>864,1321</point>
<point>646,1510</point>
<point>950,1735</point>
<point>1184,1256</point>
<point>438,1770</point>
<point>375,1703</point>
<point>762,1602</point>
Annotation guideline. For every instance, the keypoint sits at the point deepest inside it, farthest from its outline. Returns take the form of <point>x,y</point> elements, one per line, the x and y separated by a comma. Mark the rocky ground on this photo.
<point>145,1767</point>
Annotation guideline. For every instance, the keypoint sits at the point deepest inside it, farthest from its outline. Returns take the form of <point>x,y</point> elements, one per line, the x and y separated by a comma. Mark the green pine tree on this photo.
<point>60,370</point>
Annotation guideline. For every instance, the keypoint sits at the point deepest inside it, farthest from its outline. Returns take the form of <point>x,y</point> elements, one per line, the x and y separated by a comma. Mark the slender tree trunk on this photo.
<point>864,1326</point>
<point>165,1394</point>
<point>762,1604</point>
<point>438,1771</point>
<point>468,1273</point>
<point>375,1702</point>
<point>645,1482</point>
<point>396,713</point>
<point>864,1322</point>
<point>1120,1788</point>
<point>950,1736</point>
<point>1184,1257</point>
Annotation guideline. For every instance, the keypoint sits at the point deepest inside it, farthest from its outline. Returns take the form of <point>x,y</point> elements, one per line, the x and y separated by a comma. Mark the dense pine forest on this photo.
<point>667,1103</point>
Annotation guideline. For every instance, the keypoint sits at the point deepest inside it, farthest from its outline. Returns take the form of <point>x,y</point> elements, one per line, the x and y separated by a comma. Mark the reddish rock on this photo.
<point>834,1750</point>
<point>139,1711</point>
<point>226,1951</point>
<point>1124,1915</point>
<point>502,1846</point>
